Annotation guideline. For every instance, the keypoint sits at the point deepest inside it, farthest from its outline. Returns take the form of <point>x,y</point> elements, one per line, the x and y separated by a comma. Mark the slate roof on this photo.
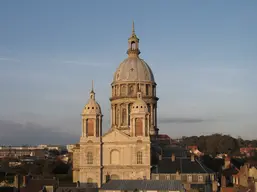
<point>35,185</point>
<point>177,151</point>
<point>229,172</point>
<point>74,189</point>
<point>7,189</point>
<point>183,165</point>
<point>171,185</point>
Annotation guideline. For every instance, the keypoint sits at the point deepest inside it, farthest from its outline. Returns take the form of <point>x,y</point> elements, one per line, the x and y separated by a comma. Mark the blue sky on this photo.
<point>203,55</point>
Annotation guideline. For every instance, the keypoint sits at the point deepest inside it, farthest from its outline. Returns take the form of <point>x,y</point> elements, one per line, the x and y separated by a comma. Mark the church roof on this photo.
<point>133,69</point>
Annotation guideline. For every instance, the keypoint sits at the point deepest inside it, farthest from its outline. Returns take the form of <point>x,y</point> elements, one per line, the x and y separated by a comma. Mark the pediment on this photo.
<point>115,136</point>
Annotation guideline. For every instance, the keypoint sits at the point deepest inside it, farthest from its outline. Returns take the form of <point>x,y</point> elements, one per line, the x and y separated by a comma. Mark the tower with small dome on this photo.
<point>124,151</point>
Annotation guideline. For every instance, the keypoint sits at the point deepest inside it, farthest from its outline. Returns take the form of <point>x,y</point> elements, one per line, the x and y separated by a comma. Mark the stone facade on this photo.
<point>124,152</point>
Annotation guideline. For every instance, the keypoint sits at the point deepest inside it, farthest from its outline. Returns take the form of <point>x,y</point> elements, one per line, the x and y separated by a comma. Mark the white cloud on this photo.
<point>9,59</point>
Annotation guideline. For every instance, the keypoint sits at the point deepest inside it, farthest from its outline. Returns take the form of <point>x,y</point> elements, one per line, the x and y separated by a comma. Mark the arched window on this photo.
<point>123,117</point>
<point>129,109</point>
<point>139,127</point>
<point>131,89</point>
<point>133,45</point>
<point>146,126</point>
<point>90,127</point>
<point>117,116</point>
<point>89,158</point>
<point>115,157</point>
<point>123,90</point>
<point>97,126</point>
<point>86,126</point>
<point>147,89</point>
<point>139,157</point>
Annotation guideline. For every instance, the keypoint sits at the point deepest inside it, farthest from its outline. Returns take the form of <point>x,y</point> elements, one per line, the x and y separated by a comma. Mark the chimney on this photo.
<point>78,184</point>
<point>227,162</point>
<point>26,179</point>
<point>108,178</point>
<point>160,157</point>
<point>214,186</point>
<point>17,181</point>
<point>192,157</point>
<point>223,181</point>
<point>173,157</point>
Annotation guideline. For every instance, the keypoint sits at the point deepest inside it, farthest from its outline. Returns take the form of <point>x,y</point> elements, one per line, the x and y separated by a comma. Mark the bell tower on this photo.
<point>91,143</point>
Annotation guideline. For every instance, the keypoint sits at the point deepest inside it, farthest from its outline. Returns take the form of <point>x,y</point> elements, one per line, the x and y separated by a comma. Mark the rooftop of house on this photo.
<point>176,150</point>
<point>75,189</point>
<point>229,172</point>
<point>7,189</point>
<point>182,165</point>
<point>143,185</point>
<point>37,184</point>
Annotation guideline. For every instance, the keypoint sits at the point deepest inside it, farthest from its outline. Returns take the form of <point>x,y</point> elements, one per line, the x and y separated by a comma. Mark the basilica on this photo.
<point>124,151</point>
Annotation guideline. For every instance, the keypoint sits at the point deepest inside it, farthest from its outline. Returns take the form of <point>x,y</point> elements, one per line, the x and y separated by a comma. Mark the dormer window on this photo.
<point>92,107</point>
<point>136,106</point>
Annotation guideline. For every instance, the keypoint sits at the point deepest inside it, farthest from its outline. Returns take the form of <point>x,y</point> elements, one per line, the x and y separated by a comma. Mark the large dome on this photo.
<point>133,69</point>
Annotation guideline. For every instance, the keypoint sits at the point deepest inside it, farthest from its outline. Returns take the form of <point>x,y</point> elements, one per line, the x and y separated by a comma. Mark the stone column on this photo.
<point>119,115</point>
<point>155,115</point>
<point>131,126</point>
<point>112,113</point>
<point>95,119</point>
<point>127,114</point>
<point>134,126</point>
<point>148,119</point>
<point>83,125</point>
<point>143,119</point>
<point>152,115</point>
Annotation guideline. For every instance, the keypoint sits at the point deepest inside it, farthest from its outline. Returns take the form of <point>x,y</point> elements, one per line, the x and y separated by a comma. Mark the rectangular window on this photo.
<point>200,178</point>
<point>139,157</point>
<point>189,178</point>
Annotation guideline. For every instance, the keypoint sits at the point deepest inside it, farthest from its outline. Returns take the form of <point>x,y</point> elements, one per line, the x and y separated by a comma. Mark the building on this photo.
<point>70,147</point>
<point>20,151</point>
<point>190,171</point>
<point>124,152</point>
<point>142,185</point>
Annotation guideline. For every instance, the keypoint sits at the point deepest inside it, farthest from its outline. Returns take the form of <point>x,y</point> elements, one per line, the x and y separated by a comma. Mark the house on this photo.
<point>190,171</point>
<point>142,185</point>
